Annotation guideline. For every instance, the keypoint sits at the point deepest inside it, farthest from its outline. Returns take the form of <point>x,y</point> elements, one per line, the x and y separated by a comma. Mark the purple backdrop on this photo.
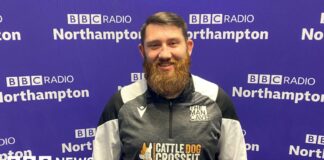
<point>60,61</point>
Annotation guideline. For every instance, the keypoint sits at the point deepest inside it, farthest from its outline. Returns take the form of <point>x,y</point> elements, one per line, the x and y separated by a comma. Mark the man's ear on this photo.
<point>141,50</point>
<point>190,45</point>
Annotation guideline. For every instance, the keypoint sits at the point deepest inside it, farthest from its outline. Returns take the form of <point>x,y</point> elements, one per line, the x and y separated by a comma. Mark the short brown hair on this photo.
<point>165,18</point>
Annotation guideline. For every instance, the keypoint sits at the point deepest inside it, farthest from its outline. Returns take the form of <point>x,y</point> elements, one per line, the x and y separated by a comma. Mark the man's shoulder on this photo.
<point>205,87</point>
<point>217,94</point>
<point>117,101</point>
<point>133,90</point>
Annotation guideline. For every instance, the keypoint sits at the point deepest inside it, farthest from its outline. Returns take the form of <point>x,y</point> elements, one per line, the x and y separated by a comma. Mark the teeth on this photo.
<point>165,64</point>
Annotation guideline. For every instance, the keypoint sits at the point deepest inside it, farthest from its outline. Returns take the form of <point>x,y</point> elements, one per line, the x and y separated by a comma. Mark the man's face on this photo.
<point>165,45</point>
<point>166,58</point>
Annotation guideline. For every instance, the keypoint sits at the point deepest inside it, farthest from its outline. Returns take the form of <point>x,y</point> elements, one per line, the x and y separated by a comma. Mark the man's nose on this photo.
<point>165,52</point>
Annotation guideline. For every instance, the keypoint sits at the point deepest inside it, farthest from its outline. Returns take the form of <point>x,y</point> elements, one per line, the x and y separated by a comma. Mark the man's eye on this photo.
<point>173,43</point>
<point>154,46</point>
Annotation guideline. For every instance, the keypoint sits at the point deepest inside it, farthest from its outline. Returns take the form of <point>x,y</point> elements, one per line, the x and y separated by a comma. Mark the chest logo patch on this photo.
<point>141,110</point>
<point>198,113</point>
<point>170,151</point>
<point>146,152</point>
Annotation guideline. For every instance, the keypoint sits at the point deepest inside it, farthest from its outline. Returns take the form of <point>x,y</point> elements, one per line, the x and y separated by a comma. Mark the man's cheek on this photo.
<point>180,56</point>
<point>152,56</point>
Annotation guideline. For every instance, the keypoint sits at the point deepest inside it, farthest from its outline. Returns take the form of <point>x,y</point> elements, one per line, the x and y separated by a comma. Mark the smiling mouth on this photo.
<point>166,66</point>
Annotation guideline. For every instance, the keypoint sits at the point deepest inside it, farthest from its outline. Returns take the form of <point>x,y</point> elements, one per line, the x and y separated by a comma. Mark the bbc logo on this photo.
<point>322,18</point>
<point>85,133</point>
<point>137,76</point>
<point>264,79</point>
<point>84,19</point>
<point>314,139</point>
<point>21,81</point>
<point>205,18</point>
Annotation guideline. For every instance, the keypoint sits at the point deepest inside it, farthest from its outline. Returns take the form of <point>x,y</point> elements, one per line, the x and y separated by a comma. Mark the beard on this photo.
<point>168,83</point>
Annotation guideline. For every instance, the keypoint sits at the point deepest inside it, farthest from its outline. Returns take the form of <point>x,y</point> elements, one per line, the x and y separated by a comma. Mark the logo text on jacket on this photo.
<point>198,113</point>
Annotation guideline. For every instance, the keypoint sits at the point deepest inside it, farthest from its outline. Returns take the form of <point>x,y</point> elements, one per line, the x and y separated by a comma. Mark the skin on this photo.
<point>165,45</point>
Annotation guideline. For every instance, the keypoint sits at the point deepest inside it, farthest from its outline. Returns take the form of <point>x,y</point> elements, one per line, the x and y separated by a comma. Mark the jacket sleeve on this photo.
<point>107,144</point>
<point>231,144</point>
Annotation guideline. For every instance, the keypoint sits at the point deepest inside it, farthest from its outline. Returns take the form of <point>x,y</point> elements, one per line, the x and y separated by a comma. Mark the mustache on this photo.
<point>166,62</point>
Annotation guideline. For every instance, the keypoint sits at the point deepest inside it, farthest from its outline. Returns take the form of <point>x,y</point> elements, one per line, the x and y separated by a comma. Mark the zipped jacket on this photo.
<point>200,124</point>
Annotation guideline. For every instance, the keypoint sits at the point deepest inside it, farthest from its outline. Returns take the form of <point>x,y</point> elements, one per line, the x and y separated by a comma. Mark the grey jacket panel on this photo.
<point>199,124</point>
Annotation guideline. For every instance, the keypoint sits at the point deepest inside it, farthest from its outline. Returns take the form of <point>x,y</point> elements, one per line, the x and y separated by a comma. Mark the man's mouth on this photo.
<point>166,66</point>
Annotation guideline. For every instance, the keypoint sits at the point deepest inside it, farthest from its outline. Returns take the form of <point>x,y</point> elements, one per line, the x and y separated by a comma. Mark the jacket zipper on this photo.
<point>170,119</point>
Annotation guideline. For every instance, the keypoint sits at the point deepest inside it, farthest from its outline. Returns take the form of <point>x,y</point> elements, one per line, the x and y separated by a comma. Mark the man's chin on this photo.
<point>167,73</point>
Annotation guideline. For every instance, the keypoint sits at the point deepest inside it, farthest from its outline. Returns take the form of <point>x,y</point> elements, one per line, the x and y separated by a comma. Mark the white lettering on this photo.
<point>252,147</point>
<point>311,35</point>
<point>297,151</point>
<point>7,141</point>
<point>15,154</point>
<point>117,19</point>
<point>10,36</point>
<point>300,80</point>
<point>59,79</point>
<point>265,93</point>
<point>240,18</point>
<point>87,34</point>
<point>76,147</point>
<point>237,36</point>
<point>47,95</point>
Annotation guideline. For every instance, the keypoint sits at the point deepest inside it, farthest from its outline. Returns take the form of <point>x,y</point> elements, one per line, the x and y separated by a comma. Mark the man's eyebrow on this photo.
<point>157,41</point>
<point>152,42</point>
<point>174,39</point>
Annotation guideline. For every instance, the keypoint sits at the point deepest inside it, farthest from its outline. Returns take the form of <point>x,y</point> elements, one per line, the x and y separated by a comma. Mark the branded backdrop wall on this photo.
<point>60,61</point>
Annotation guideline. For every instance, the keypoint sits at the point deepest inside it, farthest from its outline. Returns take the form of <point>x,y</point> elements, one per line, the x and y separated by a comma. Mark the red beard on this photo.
<point>164,83</point>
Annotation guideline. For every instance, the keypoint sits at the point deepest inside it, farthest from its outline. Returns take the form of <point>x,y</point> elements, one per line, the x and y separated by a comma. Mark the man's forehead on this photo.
<point>157,31</point>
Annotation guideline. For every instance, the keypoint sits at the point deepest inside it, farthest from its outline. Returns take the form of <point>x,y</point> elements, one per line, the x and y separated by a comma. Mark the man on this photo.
<point>171,115</point>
